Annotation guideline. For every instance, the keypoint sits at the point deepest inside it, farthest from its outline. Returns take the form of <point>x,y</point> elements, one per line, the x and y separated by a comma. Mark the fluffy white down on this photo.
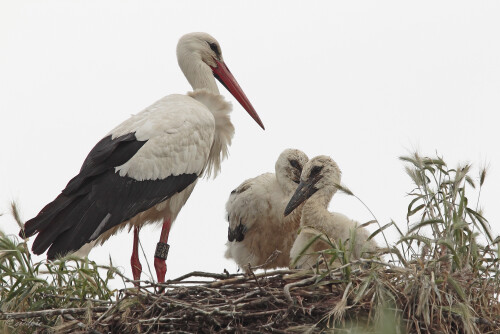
<point>258,204</point>
<point>337,226</point>
<point>316,218</point>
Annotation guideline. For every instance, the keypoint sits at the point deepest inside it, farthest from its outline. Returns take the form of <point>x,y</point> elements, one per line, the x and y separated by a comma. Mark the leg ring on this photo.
<point>162,250</point>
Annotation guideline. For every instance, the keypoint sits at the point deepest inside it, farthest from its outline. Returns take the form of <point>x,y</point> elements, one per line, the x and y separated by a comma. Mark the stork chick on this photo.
<point>257,226</point>
<point>318,184</point>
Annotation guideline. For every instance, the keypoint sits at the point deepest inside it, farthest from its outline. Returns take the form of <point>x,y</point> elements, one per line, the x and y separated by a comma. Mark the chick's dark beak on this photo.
<point>305,190</point>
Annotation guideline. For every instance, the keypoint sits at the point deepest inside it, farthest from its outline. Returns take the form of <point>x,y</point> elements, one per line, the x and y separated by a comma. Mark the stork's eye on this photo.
<point>215,49</point>
<point>295,164</point>
<point>315,170</point>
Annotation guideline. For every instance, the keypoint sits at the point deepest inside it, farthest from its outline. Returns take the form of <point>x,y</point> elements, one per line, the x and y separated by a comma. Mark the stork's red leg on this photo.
<point>134,260</point>
<point>162,251</point>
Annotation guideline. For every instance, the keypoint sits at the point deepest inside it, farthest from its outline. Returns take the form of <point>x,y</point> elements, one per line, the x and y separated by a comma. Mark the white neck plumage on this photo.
<point>205,90</point>
<point>199,74</point>
<point>315,209</point>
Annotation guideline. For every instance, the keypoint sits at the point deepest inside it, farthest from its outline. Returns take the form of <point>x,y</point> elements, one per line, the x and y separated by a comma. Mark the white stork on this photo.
<point>257,226</point>
<point>144,170</point>
<point>318,184</point>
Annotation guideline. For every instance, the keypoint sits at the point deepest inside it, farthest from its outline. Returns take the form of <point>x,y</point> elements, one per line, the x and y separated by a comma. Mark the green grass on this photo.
<point>31,286</point>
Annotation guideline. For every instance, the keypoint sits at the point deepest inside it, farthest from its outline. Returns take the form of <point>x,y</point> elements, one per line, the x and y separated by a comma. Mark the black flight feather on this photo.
<point>98,199</point>
<point>106,154</point>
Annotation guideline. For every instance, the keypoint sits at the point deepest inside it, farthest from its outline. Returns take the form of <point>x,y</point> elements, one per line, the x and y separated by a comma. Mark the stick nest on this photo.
<point>282,301</point>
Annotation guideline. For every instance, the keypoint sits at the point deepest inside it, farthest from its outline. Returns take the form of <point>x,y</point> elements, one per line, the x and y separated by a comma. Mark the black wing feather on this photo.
<point>111,200</point>
<point>75,216</point>
<point>105,155</point>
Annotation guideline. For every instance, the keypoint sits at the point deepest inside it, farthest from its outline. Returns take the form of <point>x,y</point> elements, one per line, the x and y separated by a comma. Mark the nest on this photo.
<point>278,301</point>
<point>282,301</point>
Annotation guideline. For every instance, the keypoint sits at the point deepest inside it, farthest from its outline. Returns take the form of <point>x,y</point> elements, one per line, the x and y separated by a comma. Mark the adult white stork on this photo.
<point>257,226</point>
<point>144,170</point>
<point>318,184</point>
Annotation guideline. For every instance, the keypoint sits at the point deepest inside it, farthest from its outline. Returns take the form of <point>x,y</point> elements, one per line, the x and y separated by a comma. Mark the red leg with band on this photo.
<point>134,260</point>
<point>162,251</point>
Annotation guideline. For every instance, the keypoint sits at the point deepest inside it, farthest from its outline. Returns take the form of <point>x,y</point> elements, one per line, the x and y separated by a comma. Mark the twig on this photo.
<point>246,278</point>
<point>199,274</point>
<point>303,282</point>
<point>269,260</point>
<point>79,299</point>
<point>35,314</point>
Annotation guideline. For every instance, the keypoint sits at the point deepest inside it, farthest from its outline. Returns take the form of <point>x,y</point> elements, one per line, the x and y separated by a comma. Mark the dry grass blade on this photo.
<point>15,213</point>
<point>380,230</point>
<point>341,307</point>
<point>343,188</point>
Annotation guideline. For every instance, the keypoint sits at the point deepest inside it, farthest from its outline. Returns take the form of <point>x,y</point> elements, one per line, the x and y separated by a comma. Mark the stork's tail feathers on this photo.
<point>61,221</point>
<point>66,220</point>
<point>45,216</point>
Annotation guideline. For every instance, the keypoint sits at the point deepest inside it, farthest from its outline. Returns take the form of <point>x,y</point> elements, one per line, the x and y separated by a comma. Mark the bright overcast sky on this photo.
<point>362,82</point>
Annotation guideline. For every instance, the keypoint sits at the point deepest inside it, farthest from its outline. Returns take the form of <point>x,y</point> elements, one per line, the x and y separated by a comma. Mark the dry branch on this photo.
<point>45,313</point>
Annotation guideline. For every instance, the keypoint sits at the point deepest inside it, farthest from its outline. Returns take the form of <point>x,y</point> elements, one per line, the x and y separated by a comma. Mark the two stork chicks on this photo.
<point>285,211</point>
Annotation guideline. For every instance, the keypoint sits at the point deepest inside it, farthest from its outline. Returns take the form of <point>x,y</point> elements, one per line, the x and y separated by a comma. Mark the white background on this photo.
<point>363,82</point>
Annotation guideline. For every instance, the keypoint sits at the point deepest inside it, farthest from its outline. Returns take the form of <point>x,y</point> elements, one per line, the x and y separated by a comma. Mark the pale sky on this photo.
<point>363,82</point>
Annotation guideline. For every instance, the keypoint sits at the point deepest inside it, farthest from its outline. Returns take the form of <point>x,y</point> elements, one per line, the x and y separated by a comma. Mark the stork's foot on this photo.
<point>136,269</point>
<point>161,269</point>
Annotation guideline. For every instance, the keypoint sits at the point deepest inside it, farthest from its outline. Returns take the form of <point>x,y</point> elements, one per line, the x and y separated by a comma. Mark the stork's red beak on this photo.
<point>222,73</point>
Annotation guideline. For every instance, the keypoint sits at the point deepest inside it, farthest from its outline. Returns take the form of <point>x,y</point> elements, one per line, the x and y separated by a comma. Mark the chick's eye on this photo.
<point>315,170</point>
<point>295,164</point>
